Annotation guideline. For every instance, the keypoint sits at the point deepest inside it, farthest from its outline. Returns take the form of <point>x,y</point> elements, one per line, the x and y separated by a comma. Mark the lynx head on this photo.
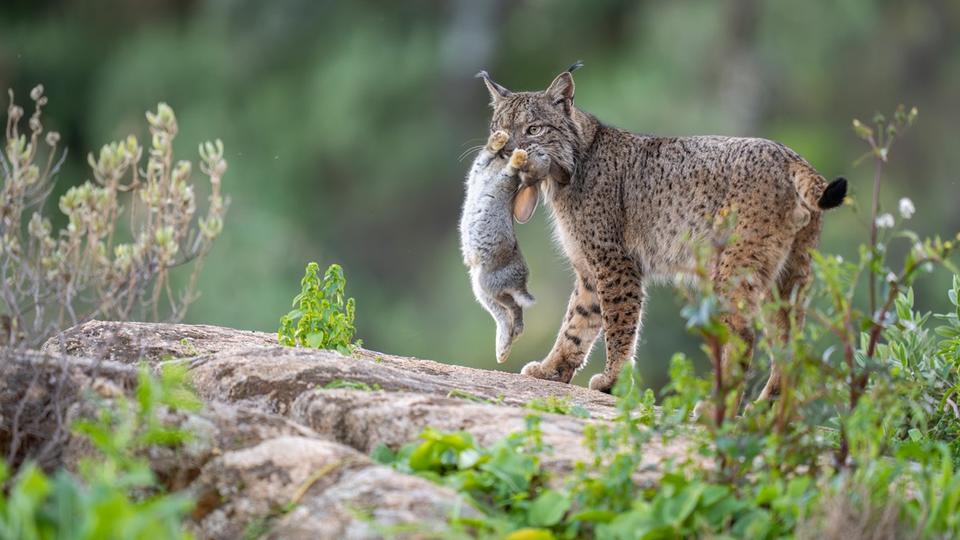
<point>542,123</point>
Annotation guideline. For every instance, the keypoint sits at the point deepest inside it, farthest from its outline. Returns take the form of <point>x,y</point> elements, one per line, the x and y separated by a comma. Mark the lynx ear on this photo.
<point>561,90</point>
<point>497,92</point>
<point>525,202</point>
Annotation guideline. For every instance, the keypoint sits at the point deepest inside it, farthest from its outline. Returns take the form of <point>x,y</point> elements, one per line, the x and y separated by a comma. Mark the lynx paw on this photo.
<point>560,373</point>
<point>498,139</point>
<point>533,369</point>
<point>518,159</point>
<point>602,383</point>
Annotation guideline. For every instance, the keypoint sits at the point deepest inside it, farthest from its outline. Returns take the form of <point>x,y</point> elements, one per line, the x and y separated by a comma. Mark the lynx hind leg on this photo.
<point>744,275</point>
<point>792,288</point>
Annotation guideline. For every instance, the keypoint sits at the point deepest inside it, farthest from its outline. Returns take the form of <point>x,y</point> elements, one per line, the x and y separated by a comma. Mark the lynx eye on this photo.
<point>534,130</point>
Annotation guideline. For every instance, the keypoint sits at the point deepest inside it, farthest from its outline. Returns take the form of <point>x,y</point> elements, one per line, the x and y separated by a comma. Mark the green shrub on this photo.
<point>114,494</point>
<point>557,405</point>
<point>321,317</point>
<point>501,479</point>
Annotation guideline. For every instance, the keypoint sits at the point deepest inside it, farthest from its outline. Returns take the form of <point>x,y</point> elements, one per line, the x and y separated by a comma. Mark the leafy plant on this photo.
<point>115,494</point>
<point>321,317</point>
<point>504,480</point>
<point>463,394</point>
<point>557,405</point>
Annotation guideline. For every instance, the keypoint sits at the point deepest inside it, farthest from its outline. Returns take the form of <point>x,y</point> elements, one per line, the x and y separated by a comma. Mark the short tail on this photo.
<point>523,298</point>
<point>834,194</point>
<point>815,193</point>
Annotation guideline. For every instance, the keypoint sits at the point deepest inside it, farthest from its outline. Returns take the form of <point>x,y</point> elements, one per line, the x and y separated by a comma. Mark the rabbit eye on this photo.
<point>534,130</point>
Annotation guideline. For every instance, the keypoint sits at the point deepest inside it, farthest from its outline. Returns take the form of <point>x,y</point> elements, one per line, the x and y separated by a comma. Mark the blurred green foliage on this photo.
<point>345,121</point>
<point>113,493</point>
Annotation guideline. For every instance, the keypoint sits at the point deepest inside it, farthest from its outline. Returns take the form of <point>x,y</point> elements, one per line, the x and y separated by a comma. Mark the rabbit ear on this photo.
<point>525,202</point>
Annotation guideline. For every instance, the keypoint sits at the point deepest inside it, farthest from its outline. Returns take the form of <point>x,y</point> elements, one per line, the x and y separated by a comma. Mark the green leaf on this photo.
<point>468,458</point>
<point>548,509</point>
<point>530,534</point>
<point>678,508</point>
<point>424,457</point>
<point>383,455</point>
<point>594,516</point>
<point>314,340</point>
<point>33,484</point>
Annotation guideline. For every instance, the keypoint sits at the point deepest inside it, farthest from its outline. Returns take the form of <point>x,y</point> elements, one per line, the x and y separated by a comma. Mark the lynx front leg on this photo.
<point>579,331</point>
<point>621,292</point>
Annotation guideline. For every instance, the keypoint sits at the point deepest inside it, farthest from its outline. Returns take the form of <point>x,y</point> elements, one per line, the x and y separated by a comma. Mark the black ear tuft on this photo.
<point>834,194</point>
<point>576,65</point>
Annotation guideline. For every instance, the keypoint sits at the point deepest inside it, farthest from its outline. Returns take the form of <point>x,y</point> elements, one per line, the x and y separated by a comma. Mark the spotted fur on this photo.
<point>627,209</point>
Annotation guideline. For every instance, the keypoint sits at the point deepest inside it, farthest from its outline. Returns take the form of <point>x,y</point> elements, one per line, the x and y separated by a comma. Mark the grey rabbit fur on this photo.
<point>498,272</point>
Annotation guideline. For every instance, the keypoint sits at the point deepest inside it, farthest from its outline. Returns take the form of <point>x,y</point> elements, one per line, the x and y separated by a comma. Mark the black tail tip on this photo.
<point>834,194</point>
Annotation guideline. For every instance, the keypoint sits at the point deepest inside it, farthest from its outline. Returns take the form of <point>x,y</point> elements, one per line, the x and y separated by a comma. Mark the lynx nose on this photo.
<point>509,147</point>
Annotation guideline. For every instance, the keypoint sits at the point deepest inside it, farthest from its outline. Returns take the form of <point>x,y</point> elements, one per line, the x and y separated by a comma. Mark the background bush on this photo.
<point>125,232</point>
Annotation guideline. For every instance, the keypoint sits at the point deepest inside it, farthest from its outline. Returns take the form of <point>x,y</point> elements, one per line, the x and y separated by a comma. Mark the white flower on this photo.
<point>891,278</point>
<point>906,208</point>
<point>885,221</point>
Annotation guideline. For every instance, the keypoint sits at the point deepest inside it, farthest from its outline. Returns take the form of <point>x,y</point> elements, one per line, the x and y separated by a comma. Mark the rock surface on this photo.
<point>36,391</point>
<point>303,487</point>
<point>282,456</point>
<point>131,342</point>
